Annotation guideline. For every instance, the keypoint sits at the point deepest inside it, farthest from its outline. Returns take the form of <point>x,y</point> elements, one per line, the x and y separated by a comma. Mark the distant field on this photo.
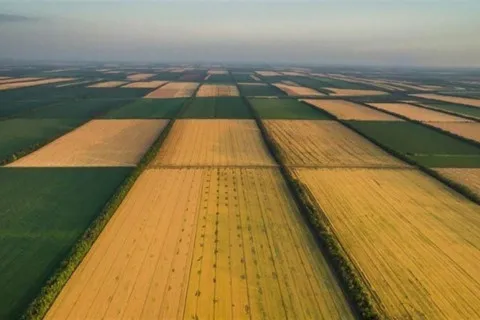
<point>323,82</point>
<point>216,244</point>
<point>456,108</point>
<point>425,145</point>
<point>147,109</point>
<point>217,90</point>
<point>174,90</point>
<point>451,99</point>
<point>294,90</point>
<point>468,130</point>
<point>219,78</point>
<point>242,77</point>
<point>417,113</point>
<point>326,144</point>
<point>414,241</point>
<point>220,107</point>
<point>43,212</point>
<point>286,109</point>
<point>21,134</point>
<point>259,90</point>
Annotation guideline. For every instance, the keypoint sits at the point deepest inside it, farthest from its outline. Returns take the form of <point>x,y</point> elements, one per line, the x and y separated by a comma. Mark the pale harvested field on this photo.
<point>108,84</point>
<point>216,244</point>
<point>296,90</point>
<point>16,85</point>
<point>218,72</point>
<point>214,143</point>
<point>418,113</point>
<point>294,74</point>
<point>322,143</point>
<point>268,73</point>
<point>354,92</point>
<point>140,76</point>
<point>145,84</point>
<point>469,177</point>
<point>414,241</point>
<point>10,80</point>
<point>469,130</point>
<point>346,110</point>
<point>99,143</point>
<point>255,78</point>
<point>174,90</point>
<point>217,90</point>
<point>466,101</point>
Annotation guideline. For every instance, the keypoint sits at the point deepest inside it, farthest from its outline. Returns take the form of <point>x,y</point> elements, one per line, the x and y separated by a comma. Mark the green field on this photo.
<point>286,109</point>
<point>310,83</point>
<point>42,213</point>
<point>422,144</point>
<point>219,78</point>
<point>147,109</point>
<point>22,134</point>
<point>172,76</point>
<point>218,107</point>
<point>456,108</point>
<point>260,91</point>
<point>242,77</point>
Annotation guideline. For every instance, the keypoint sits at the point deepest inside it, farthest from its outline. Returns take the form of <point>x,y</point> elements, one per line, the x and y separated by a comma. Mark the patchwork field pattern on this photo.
<point>459,100</point>
<point>108,84</point>
<point>458,109</point>
<point>346,110</point>
<point>354,92</point>
<point>174,90</point>
<point>217,90</point>
<point>295,90</point>
<point>417,113</point>
<point>140,76</point>
<point>99,143</point>
<point>219,107</point>
<point>259,90</point>
<point>469,177</point>
<point>25,84</point>
<point>147,109</point>
<point>146,84</point>
<point>218,243</point>
<point>214,143</point>
<point>286,109</point>
<point>313,143</point>
<point>469,130</point>
<point>414,241</point>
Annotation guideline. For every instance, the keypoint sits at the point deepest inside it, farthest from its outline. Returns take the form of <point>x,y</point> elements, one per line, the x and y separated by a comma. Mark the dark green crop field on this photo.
<point>147,109</point>
<point>42,213</point>
<point>256,90</point>
<point>286,109</point>
<point>219,78</point>
<point>422,144</point>
<point>218,107</point>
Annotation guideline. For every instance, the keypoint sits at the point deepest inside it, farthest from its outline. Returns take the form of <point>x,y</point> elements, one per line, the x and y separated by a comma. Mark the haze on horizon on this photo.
<point>353,32</point>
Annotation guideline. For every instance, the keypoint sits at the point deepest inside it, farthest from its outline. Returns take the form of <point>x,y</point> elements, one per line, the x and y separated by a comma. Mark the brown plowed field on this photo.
<point>418,113</point>
<point>99,143</point>
<point>346,110</point>
<point>415,242</point>
<point>214,142</point>
<point>322,143</point>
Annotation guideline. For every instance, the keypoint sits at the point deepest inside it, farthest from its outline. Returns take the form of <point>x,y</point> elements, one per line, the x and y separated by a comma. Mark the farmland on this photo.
<point>285,109</point>
<point>468,130</point>
<point>174,90</point>
<point>259,90</point>
<point>147,109</point>
<point>217,90</point>
<point>469,177</point>
<point>417,113</point>
<point>313,143</point>
<point>200,257</point>
<point>412,239</point>
<point>455,100</point>
<point>296,90</point>
<point>454,108</point>
<point>219,107</point>
<point>214,143</point>
<point>43,211</point>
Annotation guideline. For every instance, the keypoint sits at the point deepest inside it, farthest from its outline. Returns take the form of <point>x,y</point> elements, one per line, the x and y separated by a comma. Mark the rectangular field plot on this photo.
<point>147,109</point>
<point>346,110</point>
<point>214,143</point>
<point>451,99</point>
<point>145,84</point>
<point>458,109</point>
<point>43,212</point>
<point>218,78</point>
<point>414,241</point>
<point>420,143</point>
<point>468,177</point>
<point>39,82</point>
<point>468,130</point>
<point>259,90</point>
<point>354,92</point>
<point>326,144</point>
<point>217,90</point>
<point>99,143</point>
<point>174,90</point>
<point>417,113</point>
<point>140,76</point>
<point>286,109</point>
<point>18,135</point>
<point>220,107</point>
<point>296,90</point>
<point>108,84</point>
<point>216,244</point>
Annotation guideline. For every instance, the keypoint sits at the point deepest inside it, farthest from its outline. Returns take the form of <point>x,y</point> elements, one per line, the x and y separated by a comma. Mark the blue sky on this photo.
<point>355,32</point>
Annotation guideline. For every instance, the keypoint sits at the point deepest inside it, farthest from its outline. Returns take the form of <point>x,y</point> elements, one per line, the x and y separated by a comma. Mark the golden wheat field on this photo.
<point>296,90</point>
<point>460,100</point>
<point>217,243</point>
<point>10,80</point>
<point>140,76</point>
<point>145,84</point>
<point>354,92</point>
<point>322,143</point>
<point>217,90</point>
<point>346,110</point>
<point>418,113</point>
<point>414,241</point>
<point>108,84</point>
<point>174,90</point>
<point>33,83</point>
<point>214,143</point>
<point>469,130</point>
<point>469,177</point>
<point>99,143</point>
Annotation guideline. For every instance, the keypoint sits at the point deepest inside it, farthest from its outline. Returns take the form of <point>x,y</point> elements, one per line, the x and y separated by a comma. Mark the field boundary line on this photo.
<point>62,273</point>
<point>350,281</point>
<point>452,113</point>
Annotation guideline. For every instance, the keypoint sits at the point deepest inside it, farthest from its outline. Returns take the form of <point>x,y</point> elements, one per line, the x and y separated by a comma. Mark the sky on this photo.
<point>319,32</point>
